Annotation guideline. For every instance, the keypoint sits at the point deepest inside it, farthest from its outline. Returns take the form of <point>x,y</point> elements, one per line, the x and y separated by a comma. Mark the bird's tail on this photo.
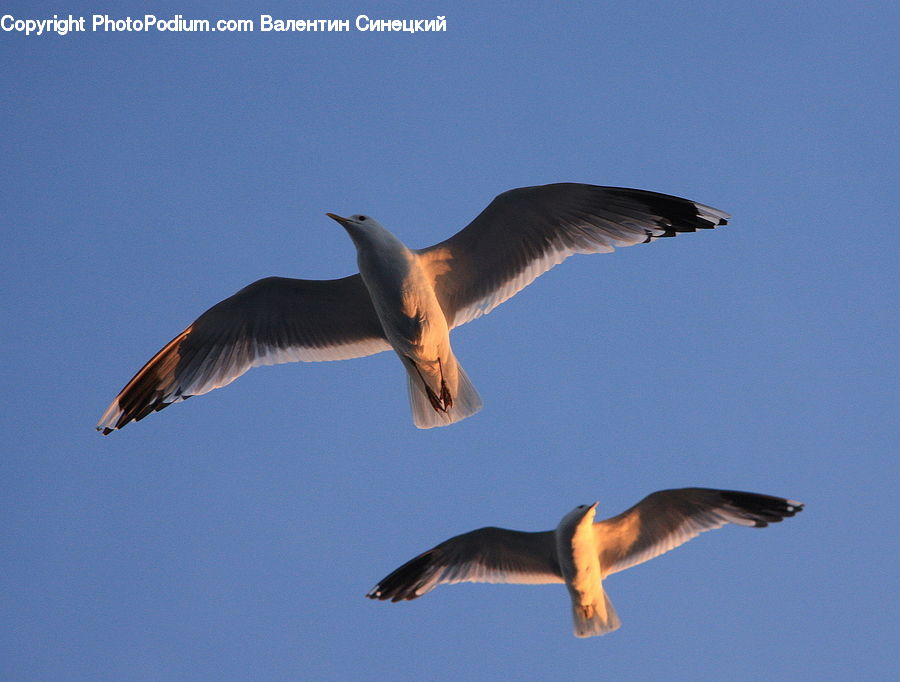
<point>464,403</point>
<point>595,619</point>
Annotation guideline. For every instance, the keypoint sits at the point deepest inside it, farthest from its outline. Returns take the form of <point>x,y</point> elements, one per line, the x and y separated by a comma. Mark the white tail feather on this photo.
<point>602,619</point>
<point>466,402</point>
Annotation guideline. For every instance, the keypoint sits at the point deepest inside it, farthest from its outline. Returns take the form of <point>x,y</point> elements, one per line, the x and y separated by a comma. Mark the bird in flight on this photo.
<point>580,552</point>
<point>405,299</point>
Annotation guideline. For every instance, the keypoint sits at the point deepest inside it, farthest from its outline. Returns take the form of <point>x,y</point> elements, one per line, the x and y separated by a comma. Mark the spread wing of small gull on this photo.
<point>524,232</point>
<point>271,321</point>
<point>658,523</point>
<point>669,518</point>
<point>582,552</point>
<point>487,555</point>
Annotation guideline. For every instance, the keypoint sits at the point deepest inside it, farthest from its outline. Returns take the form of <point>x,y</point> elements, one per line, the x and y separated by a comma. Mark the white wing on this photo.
<point>487,555</point>
<point>271,321</point>
<point>524,232</point>
<point>669,518</point>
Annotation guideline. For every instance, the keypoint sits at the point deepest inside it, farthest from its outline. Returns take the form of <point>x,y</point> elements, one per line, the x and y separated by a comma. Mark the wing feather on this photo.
<point>669,518</point>
<point>271,321</point>
<point>524,232</point>
<point>487,555</point>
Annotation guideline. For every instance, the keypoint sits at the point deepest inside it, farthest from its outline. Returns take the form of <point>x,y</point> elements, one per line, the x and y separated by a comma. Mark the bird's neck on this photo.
<point>575,534</point>
<point>380,254</point>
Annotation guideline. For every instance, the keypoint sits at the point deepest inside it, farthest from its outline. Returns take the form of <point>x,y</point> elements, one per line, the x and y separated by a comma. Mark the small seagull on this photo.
<point>405,299</point>
<point>581,553</point>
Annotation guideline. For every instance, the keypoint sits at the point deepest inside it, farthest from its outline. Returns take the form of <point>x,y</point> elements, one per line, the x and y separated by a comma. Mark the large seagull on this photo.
<point>405,299</point>
<point>581,553</point>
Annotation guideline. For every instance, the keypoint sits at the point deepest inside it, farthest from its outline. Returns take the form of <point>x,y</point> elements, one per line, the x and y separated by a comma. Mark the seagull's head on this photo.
<point>357,225</point>
<point>582,514</point>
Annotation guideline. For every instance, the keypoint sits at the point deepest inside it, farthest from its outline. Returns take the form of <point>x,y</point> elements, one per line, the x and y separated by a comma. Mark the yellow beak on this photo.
<point>334,216</point>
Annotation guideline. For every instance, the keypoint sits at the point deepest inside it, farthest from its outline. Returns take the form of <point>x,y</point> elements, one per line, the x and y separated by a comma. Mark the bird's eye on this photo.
<point>362,218</point>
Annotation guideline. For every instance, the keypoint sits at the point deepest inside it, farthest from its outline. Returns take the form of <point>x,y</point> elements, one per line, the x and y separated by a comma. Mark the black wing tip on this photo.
<point>382,592</point>
<point>376,593</point>
<point>153,388</point>
<point>135,412</point>
<point>402,584</point>
<point>763,509</point>
<point>677,215</point>
<point>379,593</point>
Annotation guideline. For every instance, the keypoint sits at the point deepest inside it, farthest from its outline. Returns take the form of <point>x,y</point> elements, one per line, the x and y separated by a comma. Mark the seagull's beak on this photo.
<point>342,221</point>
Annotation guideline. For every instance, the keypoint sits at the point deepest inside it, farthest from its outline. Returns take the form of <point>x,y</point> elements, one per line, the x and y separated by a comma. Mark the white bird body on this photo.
<point>582,552</point>
<point>403,294</point>
<point>579,562</point>
<point>405,299</point>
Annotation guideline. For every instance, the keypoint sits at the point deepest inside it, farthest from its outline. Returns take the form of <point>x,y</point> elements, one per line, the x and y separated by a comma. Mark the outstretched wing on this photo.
<point>669,518</point>
<point>524,232</point>
<point>271,321</point>
<point>487,555</point>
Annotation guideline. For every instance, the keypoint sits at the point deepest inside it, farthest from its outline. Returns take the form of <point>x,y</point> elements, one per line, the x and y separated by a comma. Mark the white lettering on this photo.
<point>41,26</point>
<point>235,25</point>
<point>364,23</point>
<point>267,23</point>
<point>177,23</point>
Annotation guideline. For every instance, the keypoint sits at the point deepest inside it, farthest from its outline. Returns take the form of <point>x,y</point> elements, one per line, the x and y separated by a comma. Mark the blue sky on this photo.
<point>146,177</point>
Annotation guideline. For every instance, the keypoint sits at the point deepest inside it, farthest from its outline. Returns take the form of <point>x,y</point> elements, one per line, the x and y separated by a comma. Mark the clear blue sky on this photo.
<point>146,177</point>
